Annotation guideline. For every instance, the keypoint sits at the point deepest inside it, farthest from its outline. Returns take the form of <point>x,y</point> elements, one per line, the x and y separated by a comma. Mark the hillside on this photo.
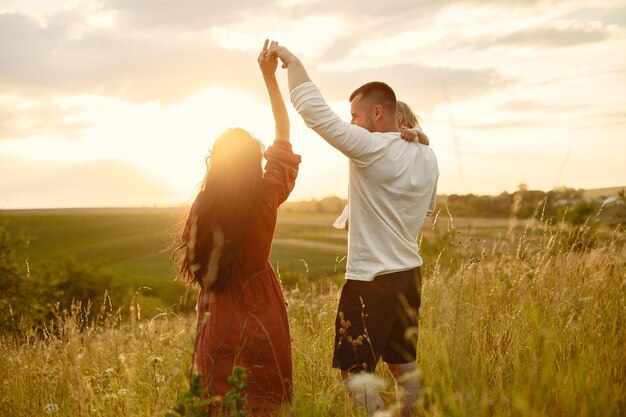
<point>603,192</point>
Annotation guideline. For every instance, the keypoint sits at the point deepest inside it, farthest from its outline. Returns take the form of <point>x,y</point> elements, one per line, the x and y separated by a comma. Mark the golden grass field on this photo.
<point>523,321</point>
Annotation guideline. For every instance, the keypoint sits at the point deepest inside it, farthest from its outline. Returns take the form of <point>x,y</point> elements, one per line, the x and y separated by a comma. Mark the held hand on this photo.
<point>282,53</point>
<point>408,134</point>
<point>421,136</point>
<point>267,62</point>
<point>415,133</point>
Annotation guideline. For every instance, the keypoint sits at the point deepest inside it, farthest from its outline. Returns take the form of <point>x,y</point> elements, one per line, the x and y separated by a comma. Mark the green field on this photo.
<point>135,245</point>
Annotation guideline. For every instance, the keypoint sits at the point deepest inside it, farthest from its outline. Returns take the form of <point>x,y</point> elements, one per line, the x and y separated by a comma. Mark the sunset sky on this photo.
<point>116,102</point>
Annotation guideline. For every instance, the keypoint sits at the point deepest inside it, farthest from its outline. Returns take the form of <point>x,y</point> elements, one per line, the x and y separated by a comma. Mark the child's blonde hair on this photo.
<point>405,115</point>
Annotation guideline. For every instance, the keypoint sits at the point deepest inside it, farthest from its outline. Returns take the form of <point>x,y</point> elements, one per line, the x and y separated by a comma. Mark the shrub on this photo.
<point>30,295</point>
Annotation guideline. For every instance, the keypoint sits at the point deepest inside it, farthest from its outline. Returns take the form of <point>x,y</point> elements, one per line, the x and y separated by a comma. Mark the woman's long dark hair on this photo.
<point>223,211</point>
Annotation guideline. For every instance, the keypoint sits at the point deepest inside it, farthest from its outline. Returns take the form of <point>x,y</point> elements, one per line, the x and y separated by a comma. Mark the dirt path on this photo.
<point>308,220</point>
<point>332,247</point>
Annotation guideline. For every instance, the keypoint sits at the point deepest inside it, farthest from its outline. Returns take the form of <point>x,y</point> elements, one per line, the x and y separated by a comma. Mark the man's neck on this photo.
<point>388,127</point>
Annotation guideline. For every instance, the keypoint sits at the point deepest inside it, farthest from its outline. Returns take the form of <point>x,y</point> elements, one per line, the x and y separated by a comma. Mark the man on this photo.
<point>392,187</point>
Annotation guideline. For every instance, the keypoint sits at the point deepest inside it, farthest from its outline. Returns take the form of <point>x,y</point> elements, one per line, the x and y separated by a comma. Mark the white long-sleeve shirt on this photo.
<point>392,185</point>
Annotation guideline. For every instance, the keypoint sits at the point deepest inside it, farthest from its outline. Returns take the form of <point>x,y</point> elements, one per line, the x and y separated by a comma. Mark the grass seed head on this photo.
<point>365,382</point>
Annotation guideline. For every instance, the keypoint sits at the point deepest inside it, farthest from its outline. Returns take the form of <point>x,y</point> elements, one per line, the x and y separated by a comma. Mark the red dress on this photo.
<point>246,323</point>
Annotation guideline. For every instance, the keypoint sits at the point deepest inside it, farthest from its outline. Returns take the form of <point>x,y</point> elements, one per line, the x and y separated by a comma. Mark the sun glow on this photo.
<point>101,19</point>
<point>169,142</point>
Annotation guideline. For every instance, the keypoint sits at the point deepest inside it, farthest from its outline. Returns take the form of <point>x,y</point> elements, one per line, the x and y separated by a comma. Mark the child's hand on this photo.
<point>408,134</point>
<point>414,133</point>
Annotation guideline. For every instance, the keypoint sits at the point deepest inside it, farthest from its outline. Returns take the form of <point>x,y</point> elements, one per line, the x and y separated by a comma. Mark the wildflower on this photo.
<point>51,408</point>
<point>411,333</point>
<point>109,371</point>
<point>122,392</point>
<point>384,413</point>
<point>364,382</point>
<point>155,359</point>
<point>175,371</point>
<point>356,342</point>
<point>121,357</point>
<point>158,378</point>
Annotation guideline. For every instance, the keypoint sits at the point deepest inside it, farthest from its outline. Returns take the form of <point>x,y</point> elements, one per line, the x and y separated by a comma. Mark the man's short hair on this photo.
<point>377,93</point>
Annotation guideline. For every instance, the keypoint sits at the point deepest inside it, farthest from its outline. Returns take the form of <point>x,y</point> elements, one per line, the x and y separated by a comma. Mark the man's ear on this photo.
<point>378,112</point>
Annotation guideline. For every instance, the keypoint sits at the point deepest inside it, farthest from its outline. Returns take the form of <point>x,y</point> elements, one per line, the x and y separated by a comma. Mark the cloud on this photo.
<point>104,183</point>
<point>188,15</point>
<point>194,15</point>
<point>421,86</point>
<point>606,14</point>
<point>602,120</point>
<point>505,124</point>
<point>598,119</point>
<point>166,51</point>
<point>399,11</point>
<point>370,19</point>
<point>553,36</point>
<point>548,38</point>
<point>53,60</point>
<point>612,115</point>
<point>534,106</point>
<point>40,118</point>
<point>383,19</point>
<point>140,67</point>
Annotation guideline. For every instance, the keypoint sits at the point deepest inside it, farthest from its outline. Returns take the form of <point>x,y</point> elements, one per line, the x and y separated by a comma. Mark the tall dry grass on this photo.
<point>97,368</point>
<point>529,324</point>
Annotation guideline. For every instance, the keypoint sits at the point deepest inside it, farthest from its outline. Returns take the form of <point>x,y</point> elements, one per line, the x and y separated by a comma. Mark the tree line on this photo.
<point>559,204</point>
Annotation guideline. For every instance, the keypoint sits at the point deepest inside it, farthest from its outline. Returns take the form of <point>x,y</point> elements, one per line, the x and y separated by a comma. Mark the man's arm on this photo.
<point>355,142</point>
<point>296,73</point>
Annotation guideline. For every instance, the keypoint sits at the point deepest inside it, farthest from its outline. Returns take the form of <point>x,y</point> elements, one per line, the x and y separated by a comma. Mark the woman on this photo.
<point>242,319</point>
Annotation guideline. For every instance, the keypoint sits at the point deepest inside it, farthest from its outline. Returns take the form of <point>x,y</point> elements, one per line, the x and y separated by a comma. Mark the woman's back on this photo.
<point>242,316</point>
<point>245,323</point>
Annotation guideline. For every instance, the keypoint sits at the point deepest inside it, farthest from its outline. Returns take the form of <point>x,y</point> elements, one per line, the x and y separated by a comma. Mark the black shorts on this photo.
<point>377,319</point>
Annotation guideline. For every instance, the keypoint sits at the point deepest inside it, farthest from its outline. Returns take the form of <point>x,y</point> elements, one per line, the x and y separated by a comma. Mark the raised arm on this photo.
<point>268,64</point>
<point>355,142</point>
<point>296,73</point>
